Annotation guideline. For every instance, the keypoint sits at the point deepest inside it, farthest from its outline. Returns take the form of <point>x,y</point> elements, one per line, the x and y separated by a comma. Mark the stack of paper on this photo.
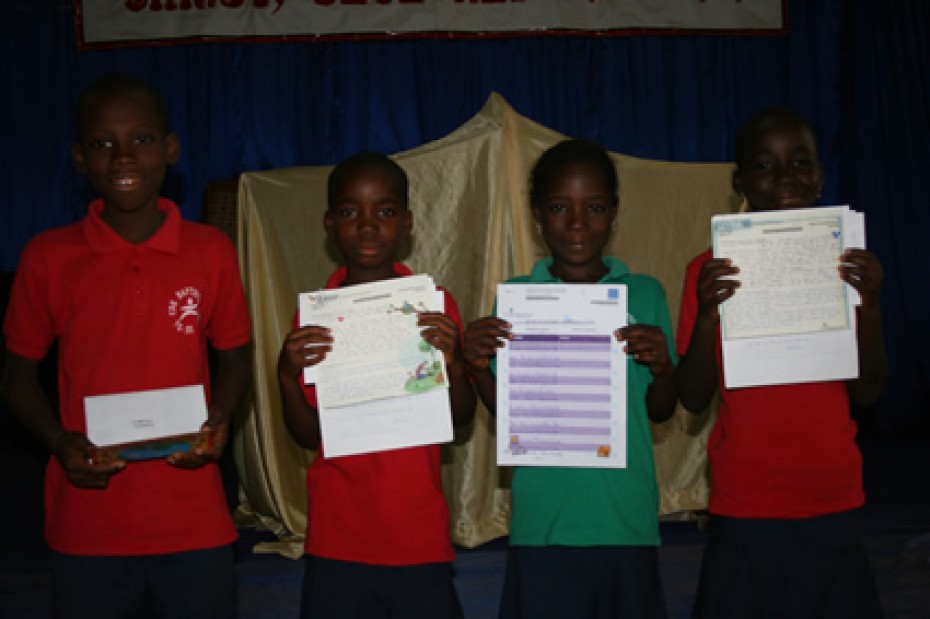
<point>792,319</point>
<point>382,386</point>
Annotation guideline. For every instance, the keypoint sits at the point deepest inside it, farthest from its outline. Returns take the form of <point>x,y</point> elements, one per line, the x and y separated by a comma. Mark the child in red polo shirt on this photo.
<point>132,293</point>
<point>377,538</point>
<point>786,474</point>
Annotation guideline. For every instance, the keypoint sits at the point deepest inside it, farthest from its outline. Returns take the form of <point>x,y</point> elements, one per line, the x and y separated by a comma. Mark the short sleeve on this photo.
<point>230,325</point>
<point>28,326</point>
<point>689,302</point>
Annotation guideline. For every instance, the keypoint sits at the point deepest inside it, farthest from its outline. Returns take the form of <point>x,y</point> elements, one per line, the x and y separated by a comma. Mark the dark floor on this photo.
<point>897,521</point>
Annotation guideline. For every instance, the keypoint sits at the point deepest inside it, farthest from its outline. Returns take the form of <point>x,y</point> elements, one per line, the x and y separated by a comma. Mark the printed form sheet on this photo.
<point>382,386</point>
<point>792,319</point>
<point>561,380</point>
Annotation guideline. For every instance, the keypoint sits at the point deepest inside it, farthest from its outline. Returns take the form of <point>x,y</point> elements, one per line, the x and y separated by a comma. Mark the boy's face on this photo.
<point>576,213</point>
<point>368,219</point>
<point>124,151</point>
<point>782,170</point>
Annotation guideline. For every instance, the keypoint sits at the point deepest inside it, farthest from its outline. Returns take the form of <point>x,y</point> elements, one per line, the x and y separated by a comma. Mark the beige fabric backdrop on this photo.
<point>472,229</point>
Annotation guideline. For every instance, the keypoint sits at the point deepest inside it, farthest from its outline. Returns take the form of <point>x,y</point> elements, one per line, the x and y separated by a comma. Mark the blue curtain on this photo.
<point>885,155</point>
<point>857,70</point>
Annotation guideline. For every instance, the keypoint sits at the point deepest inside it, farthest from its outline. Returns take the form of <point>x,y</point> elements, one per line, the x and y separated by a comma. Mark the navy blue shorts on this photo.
<point>198,583</point>
<point>812,567</point>
<point>570,582</point>
<point>347,590</point>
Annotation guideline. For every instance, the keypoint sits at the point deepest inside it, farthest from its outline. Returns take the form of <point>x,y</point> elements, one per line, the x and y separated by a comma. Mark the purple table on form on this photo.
<point>560,393</point>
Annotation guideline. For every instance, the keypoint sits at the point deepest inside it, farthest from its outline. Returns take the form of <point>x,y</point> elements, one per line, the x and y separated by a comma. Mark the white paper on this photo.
<point>381,387</point>
<point>392,423</point>
<point>792,319</point>
<point>377,349</point>
<point>119,418</point>
<point>561,381</point>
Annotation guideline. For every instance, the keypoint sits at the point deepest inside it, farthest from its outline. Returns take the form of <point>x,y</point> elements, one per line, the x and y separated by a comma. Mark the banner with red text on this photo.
<point>145,21</point>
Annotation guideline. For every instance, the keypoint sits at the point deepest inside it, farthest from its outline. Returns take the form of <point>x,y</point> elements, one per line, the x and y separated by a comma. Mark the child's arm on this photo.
<point>23,393</point>
<point>648,346</point>
<point>233,377</point>
<point>442,334</point>
<point>862,270</point>
<point>482,339</point>
<point>697,369</point>
<point>303,347</point>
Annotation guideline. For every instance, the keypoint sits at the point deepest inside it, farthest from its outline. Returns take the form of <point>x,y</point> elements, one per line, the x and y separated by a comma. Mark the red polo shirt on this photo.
<point>784,451</point>
<point>129,317</point>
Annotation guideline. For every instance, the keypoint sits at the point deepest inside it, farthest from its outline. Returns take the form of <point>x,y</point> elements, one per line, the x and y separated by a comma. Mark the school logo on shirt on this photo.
<point>185,309</point>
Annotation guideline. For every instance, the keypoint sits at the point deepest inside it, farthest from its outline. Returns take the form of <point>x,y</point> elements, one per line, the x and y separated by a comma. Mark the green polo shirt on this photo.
<point>598,507</point>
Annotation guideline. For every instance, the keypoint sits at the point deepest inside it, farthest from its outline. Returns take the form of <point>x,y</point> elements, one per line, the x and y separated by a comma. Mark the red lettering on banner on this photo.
<point>137,6</point>
<point>363,2</point>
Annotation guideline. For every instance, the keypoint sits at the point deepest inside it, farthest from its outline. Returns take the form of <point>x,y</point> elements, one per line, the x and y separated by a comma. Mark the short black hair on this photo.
<point>366,160</point>
<point>569,152</point>
<point>765,121</point>
<point>116,84</point>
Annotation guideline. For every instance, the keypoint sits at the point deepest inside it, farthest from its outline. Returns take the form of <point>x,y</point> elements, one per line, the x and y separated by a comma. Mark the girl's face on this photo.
<point>781,171</point>
<point>576,212</point>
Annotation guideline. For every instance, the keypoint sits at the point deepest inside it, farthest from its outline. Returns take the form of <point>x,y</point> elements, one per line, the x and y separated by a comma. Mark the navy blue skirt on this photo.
<point>346,590</point>
<point>598,582</point>
<point>813,567</point>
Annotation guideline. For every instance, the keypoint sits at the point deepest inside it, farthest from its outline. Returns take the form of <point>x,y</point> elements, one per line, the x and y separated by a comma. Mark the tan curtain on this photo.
<point>472,229</point>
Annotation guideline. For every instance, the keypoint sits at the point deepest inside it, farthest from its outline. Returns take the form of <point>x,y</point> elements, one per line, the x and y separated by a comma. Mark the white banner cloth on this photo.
<point>110,21</point>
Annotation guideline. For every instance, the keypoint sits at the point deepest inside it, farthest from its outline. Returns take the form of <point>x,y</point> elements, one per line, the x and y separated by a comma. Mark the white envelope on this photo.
<point>120,418</point>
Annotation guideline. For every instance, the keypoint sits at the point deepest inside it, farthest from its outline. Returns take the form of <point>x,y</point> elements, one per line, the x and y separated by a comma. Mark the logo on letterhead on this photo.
<point>185,309</point>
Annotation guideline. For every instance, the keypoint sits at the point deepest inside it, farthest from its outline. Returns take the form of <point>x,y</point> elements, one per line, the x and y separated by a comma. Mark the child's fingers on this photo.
<point>483,338</point>
<point>645,343</point>
<point>437,324</point>
<point>491,329</point>
<point>866,281</point>
<point>488,341</point>
<point>441,331</point>
<point>75,454</point>
<point>312,355</point>
<point>307,346</point>
<point>84,473</point>
<point>717,282</point>
<point>431,318</point>
<point>861,269</point>
<point>213,439</point>
<point>479,350</point>
<point>187,461</point>
<point>441,340</point>
<point>717,268</point>
<point>312,335</point>
<point>717,290</point>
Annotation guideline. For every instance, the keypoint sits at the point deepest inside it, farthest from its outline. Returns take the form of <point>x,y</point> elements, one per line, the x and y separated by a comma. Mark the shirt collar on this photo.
<point>339,275</point>
<point>616,269</point>
<point>103,239</point>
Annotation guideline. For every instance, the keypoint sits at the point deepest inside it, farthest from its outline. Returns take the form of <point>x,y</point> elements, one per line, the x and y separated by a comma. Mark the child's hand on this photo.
<point>482,339</point>
<point>304,347</point>
<point>198,456</point>
<point>647,345</point>
<point>861,269</point>
<point>74,452</point>
<point>440,333</point>
<point>714,285</point>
